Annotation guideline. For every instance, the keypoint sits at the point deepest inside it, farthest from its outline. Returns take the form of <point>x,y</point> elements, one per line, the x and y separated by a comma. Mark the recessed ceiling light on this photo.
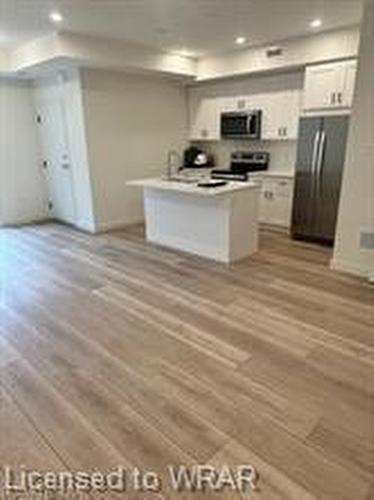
<point>316,23</point>
<point>56,17</point>
<point>240,40</point>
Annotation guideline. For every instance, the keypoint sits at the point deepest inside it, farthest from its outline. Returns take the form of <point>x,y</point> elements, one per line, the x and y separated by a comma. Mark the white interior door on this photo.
<point>56,159</point>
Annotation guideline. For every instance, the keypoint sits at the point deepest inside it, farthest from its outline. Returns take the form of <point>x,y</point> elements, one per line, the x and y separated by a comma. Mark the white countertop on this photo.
<point>274,173</point>
<point>191,188</point>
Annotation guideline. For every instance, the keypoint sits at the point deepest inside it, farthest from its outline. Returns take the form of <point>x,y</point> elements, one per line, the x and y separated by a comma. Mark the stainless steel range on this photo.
<point>243,163</point>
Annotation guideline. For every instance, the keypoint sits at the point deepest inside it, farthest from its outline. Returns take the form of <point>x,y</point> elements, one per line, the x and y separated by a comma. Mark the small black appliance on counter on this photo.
<point>243,163</point>
<point>195,157</point>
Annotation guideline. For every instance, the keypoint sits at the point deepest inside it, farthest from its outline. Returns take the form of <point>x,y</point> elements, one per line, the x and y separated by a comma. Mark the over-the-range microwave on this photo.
<point>241,124</point>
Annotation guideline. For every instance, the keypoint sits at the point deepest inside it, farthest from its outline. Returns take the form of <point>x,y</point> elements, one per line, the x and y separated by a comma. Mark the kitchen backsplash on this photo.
<point>282,153</point>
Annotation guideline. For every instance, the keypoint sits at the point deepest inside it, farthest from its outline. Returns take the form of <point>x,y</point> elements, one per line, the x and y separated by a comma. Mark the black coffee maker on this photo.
<point>190,157</point>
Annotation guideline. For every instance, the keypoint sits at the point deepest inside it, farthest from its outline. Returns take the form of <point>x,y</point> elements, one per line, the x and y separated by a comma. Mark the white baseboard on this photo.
<point>25,221</point>
<point>85,226</point>
<point>104,227</point>
<point>275,228</point>
<point>348,267</point>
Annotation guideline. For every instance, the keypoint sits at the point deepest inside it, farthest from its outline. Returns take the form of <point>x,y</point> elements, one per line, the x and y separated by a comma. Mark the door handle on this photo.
<point>321,152</point>
<point>315,151</point>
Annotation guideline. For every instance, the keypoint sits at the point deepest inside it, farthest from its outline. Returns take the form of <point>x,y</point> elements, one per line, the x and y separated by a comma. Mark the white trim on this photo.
<point>85,226</point>
<point>349,267</point>
<point>23,221</point>
<point>103,227</point>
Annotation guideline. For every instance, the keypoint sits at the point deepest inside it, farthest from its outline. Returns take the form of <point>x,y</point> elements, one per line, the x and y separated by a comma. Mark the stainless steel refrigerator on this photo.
<point>319,168</point>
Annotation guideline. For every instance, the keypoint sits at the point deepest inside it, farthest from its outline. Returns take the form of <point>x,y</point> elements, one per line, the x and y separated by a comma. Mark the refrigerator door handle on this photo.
<point>319,163</point>
<point>315,152</point>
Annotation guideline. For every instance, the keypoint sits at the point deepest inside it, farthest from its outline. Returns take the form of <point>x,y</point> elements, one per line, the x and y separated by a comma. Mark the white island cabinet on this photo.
<point>219,223</point>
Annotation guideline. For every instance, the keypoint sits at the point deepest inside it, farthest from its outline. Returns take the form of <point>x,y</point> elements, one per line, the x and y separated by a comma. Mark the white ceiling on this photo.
<point>198,26</point>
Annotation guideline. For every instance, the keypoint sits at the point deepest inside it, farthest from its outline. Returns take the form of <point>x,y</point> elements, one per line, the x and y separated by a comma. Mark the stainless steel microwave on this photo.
<point>241,124</point>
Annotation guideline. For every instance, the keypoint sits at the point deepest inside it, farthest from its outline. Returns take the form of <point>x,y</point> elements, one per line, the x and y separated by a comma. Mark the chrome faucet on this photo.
<point>172,155</point>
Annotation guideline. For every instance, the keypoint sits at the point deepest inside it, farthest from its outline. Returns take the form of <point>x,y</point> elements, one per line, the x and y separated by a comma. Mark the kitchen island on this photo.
<point>219,223</point>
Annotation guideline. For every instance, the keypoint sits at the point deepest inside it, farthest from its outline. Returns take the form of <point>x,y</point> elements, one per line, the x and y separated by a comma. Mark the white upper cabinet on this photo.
<point>329,86</point>
<point>204,118</point>
<point>280,117</point>
<point>237,103</point>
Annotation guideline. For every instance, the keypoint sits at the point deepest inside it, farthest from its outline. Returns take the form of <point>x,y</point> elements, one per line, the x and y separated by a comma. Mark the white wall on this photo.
<point>297,52</point>
<point>282,153</point>
<point>131,123</point>
<point>356,213</point>
<point>68,85</point>
<point>4,60</point>
<point>22,188</point>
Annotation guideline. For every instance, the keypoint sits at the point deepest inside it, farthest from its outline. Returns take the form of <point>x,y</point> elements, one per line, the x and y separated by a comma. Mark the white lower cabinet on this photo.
<point>276,200</point>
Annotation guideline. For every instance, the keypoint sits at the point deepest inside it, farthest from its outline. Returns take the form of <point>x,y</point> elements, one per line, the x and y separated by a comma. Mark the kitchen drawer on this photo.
<point>283,188</point>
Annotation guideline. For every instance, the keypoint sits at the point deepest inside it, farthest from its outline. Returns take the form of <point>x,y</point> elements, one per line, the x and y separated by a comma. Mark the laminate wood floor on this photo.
<point>115,352</point>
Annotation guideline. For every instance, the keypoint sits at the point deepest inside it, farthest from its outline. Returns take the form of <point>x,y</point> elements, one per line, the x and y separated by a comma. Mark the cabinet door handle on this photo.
<point>333,98</point>
<point>279,132</point>
<point>340,98</point>
<point>285,131</point>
